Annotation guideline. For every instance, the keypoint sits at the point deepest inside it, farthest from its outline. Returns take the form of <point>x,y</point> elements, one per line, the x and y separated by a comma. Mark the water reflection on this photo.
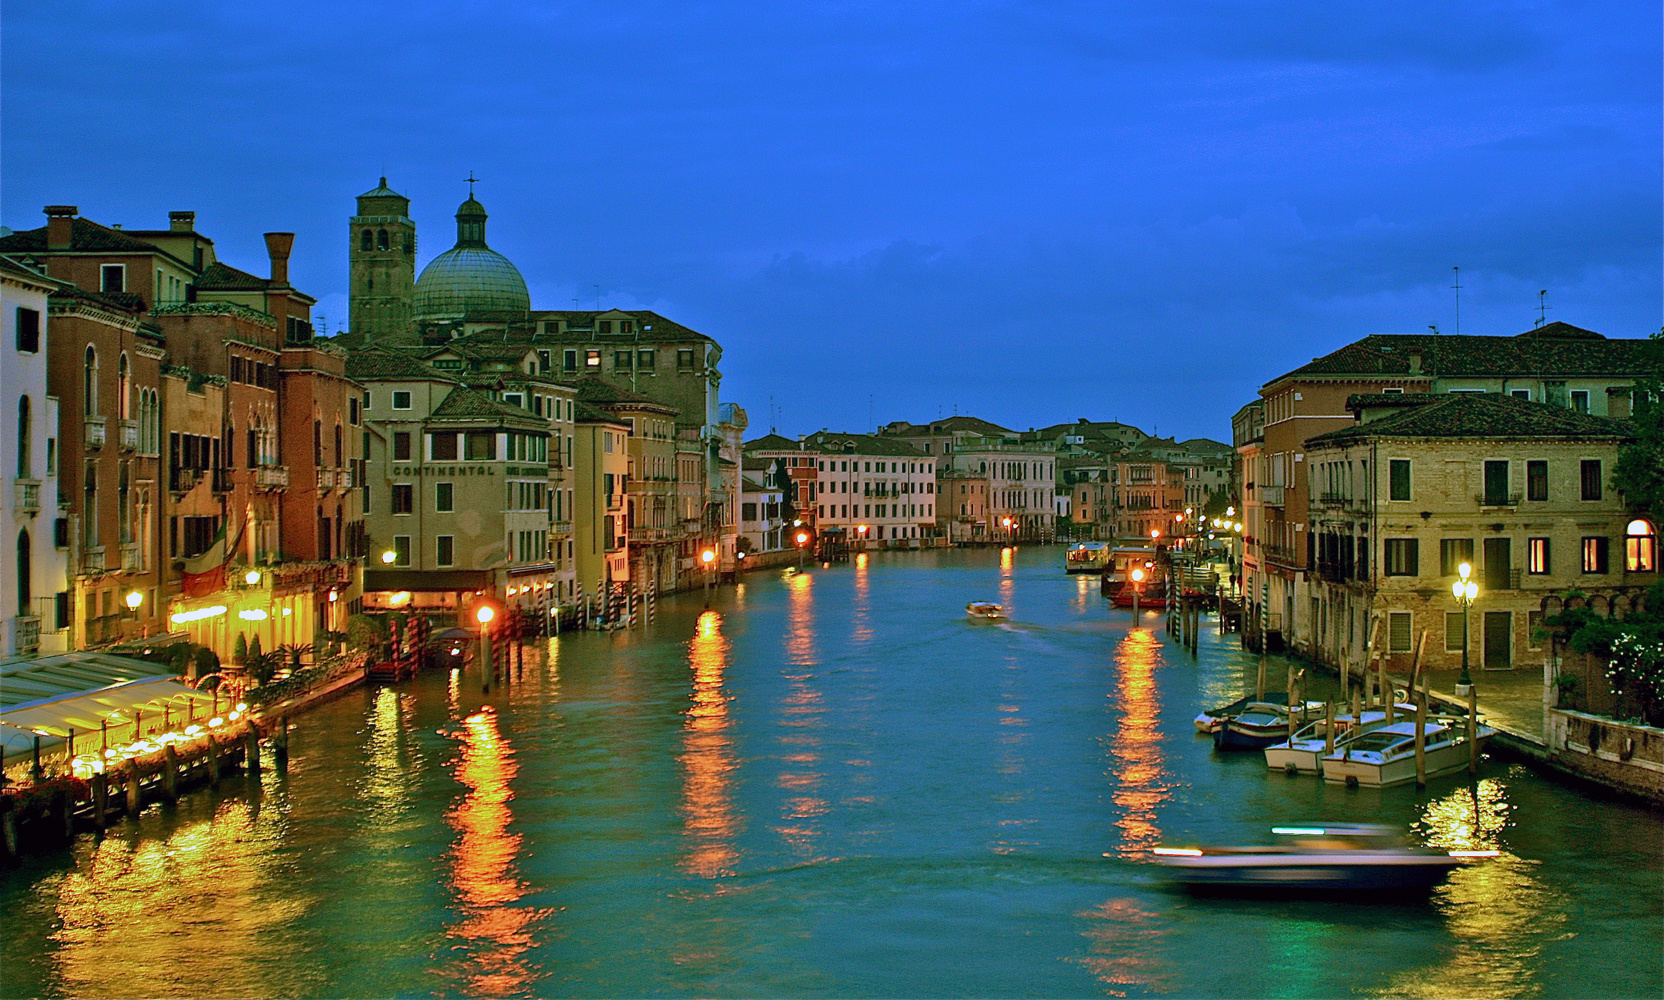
<point>861,614</point>
<point>1125,938</point>
<point>802,716</point>
<point>495,934</point>
<point>1500,917</point>
<point>388,779</point>
<point>1008,576</point>
<point>708,763</point>
<point>1135,748</point>
<point>209,895</point>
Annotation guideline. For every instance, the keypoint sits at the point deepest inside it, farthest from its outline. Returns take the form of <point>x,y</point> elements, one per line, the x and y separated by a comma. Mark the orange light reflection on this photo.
<point>707,757</point>
<point>801,713</point>
<point>1135,747</point>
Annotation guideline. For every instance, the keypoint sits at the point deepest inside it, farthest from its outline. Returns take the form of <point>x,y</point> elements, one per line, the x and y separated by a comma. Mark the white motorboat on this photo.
<point>1320,858</point>
<point>984,611</point>
<point>1303,752</point>
<point>1387,756</point>
<point>1209,721</point>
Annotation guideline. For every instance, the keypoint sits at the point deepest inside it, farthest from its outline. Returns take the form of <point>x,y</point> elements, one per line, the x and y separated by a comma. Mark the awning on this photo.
<point>85,711</point>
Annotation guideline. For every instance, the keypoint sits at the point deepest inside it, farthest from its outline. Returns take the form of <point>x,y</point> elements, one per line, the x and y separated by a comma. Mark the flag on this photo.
<point>205,572</point>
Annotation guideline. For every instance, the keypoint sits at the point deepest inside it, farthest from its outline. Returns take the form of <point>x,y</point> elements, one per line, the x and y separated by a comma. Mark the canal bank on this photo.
<point>830,784</point>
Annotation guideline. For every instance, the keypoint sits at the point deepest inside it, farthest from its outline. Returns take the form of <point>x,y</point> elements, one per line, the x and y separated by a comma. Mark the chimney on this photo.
<point>182,222</point>
<point>278,246</point>
<point>1415,362</point>
<point>59,220</point>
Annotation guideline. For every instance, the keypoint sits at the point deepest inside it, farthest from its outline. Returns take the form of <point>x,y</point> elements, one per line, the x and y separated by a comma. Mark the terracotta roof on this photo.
<point>84,236</point>
<point>1480,415</point>
<point>1556,350</point>
<point>597,390</point>
<point>370,364</point>
<point>1205,446</point>
<point>771,442</point>
<point>833,443</point>
<point>223,277</point>
<point>589,413</point>
<point>464,403</point>
<point>584,321</point>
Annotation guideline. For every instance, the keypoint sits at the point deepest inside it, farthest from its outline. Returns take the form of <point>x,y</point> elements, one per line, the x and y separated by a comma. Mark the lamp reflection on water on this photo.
<point>708,762</point>
<point>801,713</point>
<point>494,933</point>
<point>1135,746</point>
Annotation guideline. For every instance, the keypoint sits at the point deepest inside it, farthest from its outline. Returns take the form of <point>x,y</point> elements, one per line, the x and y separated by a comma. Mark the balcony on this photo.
<point>26,496</point>
<point>651,534</point>
<point>130,557</point>
<point>222,481</point>
<point>1283,555</point>
<point>183,481</point>
<point>615,501</point>
<point>129,435</point>
<point>561,527</point>
<point>94,429</point>
<point>271,477</point>
<point>1329,498</point>
<point>26,632</point>
<point>327,479</point>
<point>1272,496</point>
<point>1488,499</point>
<point>92,560</point>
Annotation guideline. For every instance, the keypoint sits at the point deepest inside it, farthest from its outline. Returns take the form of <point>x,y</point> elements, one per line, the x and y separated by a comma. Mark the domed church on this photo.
<point>470,282</point>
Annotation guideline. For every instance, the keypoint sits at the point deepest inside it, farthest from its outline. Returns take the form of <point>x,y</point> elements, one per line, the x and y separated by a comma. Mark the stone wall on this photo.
<point>1622,755</point>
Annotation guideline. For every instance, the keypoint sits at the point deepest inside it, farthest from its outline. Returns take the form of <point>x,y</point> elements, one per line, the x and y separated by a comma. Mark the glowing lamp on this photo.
<point>802,537</point>
<point>485,614</point>
<point>334,596</point>
<point>1155,533</point>
<point>252,577</point>
<point>134,599</point>
<point>862,529</point>
<point>709,556</point>
<point>388,557</point>
<point>1137,576</point>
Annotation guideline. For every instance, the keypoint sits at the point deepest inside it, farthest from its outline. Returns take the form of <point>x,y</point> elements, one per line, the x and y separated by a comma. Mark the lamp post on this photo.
<point>1005,522</point>
<point>802,540</point>
<point>707,558</point>
<point>1464,590</point>
<point>1137,588</point>
<point>483,614</point>
<point>388,557</point>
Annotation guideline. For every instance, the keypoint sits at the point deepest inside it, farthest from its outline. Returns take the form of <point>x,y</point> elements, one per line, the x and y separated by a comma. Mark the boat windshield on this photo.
<point>1377,741</point>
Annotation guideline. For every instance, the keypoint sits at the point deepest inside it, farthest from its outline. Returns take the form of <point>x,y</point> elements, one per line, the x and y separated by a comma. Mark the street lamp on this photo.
<point>1137,588</point>
<point>1005,522</point>
<point>708,557</point>
<point>388,557</point>
<point>252,577</point>
<point>1464,590</point>
<point>802,540</point>
<point>483,614</point>
<point>134,599</point>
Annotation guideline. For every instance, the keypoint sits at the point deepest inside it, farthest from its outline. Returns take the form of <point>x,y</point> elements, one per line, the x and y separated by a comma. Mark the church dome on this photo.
<point>470,279</point>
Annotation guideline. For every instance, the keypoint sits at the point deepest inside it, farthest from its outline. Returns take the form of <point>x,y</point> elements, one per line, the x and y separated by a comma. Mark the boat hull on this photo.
<point>1300,757</point>
<point>1231,736</point>
<point>1388,871</point>
<point>1442,759</point>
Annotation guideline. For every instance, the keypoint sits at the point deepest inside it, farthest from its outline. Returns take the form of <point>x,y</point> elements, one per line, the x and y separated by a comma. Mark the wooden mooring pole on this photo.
<point>280,745</point>
<point>170,773</point>
<point>1421,740</point>
<point>1473,732</point>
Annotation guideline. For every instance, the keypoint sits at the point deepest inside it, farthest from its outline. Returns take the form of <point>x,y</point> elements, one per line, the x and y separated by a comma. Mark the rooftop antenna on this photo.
<point>472,180</point>
<point>1458,288</point>
<point>1542,308</point>
<point>1434,327</point>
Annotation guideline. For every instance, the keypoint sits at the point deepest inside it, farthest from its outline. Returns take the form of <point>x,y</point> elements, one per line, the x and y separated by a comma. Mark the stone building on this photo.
<point>1421,483</point>
<point>872,488</point>
<point>599,528</point>
<point>655,531</point>
<point>381,259</point>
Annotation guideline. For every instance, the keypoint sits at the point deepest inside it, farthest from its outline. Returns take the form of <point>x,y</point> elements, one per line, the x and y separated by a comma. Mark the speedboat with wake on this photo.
<point>984,611</point>
<point>1320,858</point>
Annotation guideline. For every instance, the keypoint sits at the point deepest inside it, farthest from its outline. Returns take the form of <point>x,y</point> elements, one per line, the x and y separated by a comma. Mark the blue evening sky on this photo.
<point>1031,212</point>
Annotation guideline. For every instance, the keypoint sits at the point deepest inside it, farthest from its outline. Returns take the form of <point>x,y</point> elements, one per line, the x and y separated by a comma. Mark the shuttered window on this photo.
<point>1453,632</point>
<point>1398,632</point>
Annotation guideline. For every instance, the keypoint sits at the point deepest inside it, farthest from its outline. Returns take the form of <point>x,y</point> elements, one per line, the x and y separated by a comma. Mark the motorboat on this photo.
<point>1210,720</point>
<point>1317,858</point>
<point>1257,726</point>
<point>1086,557</point>
<point>1387,755</point>
<point>984,611</point>
<point>1303,752</point>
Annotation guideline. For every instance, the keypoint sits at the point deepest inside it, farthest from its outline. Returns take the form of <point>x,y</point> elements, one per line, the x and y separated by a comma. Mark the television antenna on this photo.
<point>1458,289</point>
<point>1542,308</point>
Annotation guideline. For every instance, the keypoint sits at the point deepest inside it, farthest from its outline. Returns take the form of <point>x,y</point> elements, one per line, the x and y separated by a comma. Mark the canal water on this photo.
<point>830,783</point>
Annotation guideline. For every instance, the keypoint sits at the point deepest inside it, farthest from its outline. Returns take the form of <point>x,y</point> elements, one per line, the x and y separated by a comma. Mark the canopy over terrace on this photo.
<point>83,691</point>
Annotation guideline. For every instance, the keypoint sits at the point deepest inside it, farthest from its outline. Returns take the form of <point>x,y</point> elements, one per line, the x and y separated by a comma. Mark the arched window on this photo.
<point>364,239</point>
<point>317,443</point>
<point>24,574</point>
<point>338,457</point>
<point>124,384</point>
<point>89,383</point>
<point>1641,546</point>
<point>25,434</point>
<point>381,239</point>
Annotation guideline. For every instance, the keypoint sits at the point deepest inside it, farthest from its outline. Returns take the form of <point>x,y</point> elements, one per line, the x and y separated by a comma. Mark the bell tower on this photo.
<point>381,252</point>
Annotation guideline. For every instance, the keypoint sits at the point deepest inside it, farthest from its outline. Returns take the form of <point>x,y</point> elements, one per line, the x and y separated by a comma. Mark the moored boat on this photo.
<point>1256,727</point>
<point>1086,557</point>
<point>1303,752</point>
<point>984,611</point>
<point>1213,718</point>
<point>1321,858</point>
<point>1387,756</point>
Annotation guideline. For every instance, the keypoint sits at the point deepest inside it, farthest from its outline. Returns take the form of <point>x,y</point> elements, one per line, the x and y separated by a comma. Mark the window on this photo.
<point>569,360</point>
<point>443,446</point>
<point>1580,400</point>
<point>112,278</point>
<point>606,326</point>
<point>481,446</point>
<point>1641,547</point>
<point>444,550</point>
<point>364,241</point>
<point>28,330</point>
<point>646,359</point>
<point>444,497</point>
<point>1496,483</point>
<point>1536,480</point>
<point>1400,557</point>
<point>1594,554</point>
<point>404,498</point>
<point>89,383</point>
<point>1536,556</point>
<point>592,359</point>
<point>1452,553</point>
<point>1454,626</point>
<point>352,411</point>
<point>1399,478</point>
<point>1591,478</point>
<point>381,239</point>
<point>25,434</point>
<point>401,446</point>
<point>684,358</point>
<point>401,550</point>
<point>622,359</point>
<point>401,400</point>
<point>1398,632</point>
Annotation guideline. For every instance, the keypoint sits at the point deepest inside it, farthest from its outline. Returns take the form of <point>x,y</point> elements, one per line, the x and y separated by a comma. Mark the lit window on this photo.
<point>592,359</point>
<point>1641,547</point>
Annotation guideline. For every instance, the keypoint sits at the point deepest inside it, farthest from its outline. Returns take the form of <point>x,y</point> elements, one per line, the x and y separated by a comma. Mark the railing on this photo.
<point>182,480</point>
<point>326,479</point>
<point>1284,554</point>
<point>129,557</point>
<point>94,431</point>
<point>222,481</point>
<point>561,527</point>
<point>1333,498</point>
<point>650,534</point>
<point>615,501</point>
<point>1272,496</point>
<point>26,496</point>
<point>26,630</point>
<point>129,435</point>
<point>271,477</point>
<point>1488,499</point>
<point>92,559</point>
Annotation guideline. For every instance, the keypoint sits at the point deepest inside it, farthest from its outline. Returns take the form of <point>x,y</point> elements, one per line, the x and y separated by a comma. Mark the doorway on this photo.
<point>1499,633</point>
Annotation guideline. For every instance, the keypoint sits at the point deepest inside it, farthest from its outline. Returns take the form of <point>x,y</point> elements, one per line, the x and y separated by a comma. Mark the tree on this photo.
<point>1640,472</point>
<point>239,649</point>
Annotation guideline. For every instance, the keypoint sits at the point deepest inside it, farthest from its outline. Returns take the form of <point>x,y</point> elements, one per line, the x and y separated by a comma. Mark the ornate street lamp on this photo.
<point>1137,589</point>
<point>1464,590</point>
